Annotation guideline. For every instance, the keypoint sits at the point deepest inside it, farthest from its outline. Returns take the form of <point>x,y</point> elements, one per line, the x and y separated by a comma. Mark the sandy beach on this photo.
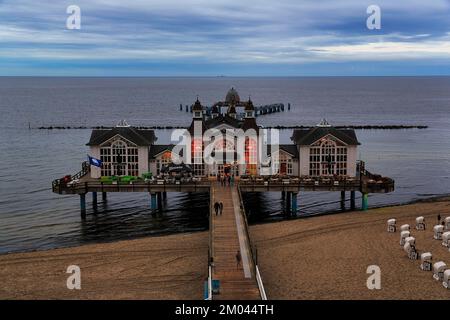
<point>323,257</point>
<point>169,267</point>
<point>327,257</point>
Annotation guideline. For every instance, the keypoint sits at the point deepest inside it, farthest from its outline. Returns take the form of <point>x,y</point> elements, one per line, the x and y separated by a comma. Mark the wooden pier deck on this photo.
<point>228,236</point>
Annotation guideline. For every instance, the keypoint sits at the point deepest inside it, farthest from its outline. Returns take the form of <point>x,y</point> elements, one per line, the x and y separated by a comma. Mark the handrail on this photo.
<point>211,247</point>
<point>210,296</point>
<point>259,282</point>
<point>262,291</point>
<point>85,169</point>
<point>211,229</point>
<point>241,204</point>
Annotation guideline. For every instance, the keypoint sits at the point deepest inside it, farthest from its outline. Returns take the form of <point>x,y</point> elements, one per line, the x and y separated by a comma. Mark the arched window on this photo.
<point>326,157</point>
<point>119,150</point>
<point>197,157</point>
<point>251,153</point>
<point>119,158</point>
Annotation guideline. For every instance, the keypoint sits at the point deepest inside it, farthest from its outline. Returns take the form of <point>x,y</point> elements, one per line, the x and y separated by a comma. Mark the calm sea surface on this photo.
<point>33,218</point>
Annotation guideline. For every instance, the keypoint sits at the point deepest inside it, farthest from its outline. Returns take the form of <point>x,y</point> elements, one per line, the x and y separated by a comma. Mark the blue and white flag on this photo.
<point>95,162</point>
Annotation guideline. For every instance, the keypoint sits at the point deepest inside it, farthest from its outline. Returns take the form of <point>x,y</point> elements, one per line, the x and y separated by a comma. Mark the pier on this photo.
<point>229,234</point>
<point>289,186</point>
<point>320,158</point>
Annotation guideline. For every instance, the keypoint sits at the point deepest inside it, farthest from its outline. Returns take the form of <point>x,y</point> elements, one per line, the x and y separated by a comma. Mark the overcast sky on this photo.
<point>217,37</point>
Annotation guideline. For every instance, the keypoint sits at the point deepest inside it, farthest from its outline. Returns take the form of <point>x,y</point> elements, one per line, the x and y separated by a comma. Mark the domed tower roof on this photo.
<point>232,96</point>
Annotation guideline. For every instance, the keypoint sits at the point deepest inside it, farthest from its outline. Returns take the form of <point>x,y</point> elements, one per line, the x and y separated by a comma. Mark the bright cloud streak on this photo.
<point>218,36</point>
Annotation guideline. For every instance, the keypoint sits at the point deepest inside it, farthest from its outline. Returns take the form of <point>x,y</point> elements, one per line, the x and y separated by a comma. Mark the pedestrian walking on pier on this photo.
<point>238,259</point>
<point>216,207</point>
<point>220,208</point>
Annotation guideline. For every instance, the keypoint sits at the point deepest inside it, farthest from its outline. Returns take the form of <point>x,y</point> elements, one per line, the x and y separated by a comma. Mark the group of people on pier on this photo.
<point>226,180</point>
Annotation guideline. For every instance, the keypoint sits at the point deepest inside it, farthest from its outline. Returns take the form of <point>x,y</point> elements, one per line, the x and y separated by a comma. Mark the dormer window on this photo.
<point>197,114</point>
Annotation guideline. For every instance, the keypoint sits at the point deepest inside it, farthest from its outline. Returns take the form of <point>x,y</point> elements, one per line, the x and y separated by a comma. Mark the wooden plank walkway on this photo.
<point>229,236</point>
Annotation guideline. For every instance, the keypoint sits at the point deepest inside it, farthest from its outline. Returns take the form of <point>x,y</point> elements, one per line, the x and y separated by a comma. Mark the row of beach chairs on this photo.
<point>441,232</point>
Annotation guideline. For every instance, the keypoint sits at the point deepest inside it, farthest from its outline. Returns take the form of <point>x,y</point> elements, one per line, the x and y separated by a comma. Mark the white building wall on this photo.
<point>95,152</point>
<point>152,167</point>
<point>143,160</point>
<point>295,167</point>
<point>304,160</point>
<point>352,154</point>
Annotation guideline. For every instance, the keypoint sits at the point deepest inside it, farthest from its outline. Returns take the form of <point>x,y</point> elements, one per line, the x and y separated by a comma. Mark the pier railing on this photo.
<point>253,250</point>
<point>301,181</point>
<point>59,184</point>
<point>96,185</point>
<point>211,246</point>
<point>366,182</point>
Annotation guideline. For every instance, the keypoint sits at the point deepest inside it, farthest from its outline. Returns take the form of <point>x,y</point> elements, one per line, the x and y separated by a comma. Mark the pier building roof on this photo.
<point>140,137</point>
<point>157,149</point>
<point>232,96</point>
<point>309,136</point>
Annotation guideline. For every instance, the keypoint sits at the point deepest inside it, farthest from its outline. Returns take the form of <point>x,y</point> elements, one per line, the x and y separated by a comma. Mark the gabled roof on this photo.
<point>140,137</point>
<point>289,148</point>
<point>157,149</point>
<point>309,136</point>
<point>222,119</point>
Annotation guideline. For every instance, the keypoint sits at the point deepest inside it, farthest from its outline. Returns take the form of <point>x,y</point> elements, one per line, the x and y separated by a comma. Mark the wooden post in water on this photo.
<point>342,200</point>
<point>352,200</point>
<point>288,203</point>
<point>294,203</point>
<point>365,202</point>
<point>83,205</point>
<point>104,197</point>
<point>94,200</point>
<point>153,205</point>
<point>159,200</point>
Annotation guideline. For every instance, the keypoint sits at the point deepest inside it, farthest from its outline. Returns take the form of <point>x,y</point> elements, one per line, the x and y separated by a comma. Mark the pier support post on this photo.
<point>104,197</point>
<point>159,200</point>
<point>352,200</point>
<point>164,194</point>
<point>288,203</point>
<point>153,201</point>
<point>365,202</point>
<point>94,200</point>
<point>83,205</point>
<point>283,195</point>
<point>342,200</point>
<point>294,203</point>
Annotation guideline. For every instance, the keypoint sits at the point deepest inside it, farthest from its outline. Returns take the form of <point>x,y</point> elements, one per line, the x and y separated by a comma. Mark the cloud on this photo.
<point>224,32</point>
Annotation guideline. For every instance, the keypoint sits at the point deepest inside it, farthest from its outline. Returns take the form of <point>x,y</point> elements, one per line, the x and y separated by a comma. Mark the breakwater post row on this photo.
<point>356,127</point>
